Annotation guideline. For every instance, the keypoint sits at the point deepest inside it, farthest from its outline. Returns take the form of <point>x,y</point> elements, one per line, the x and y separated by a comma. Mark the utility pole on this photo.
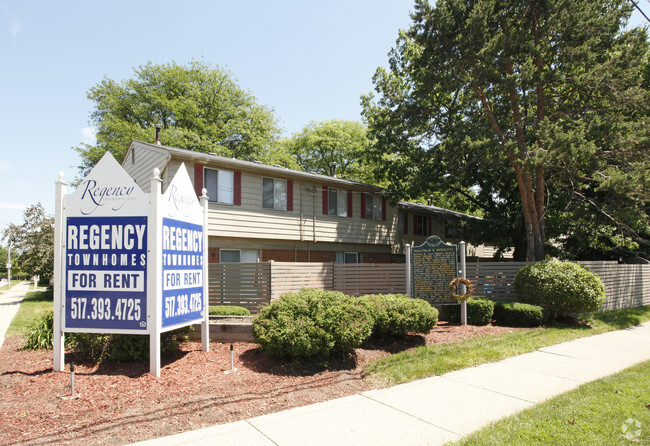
<point>9,266</point>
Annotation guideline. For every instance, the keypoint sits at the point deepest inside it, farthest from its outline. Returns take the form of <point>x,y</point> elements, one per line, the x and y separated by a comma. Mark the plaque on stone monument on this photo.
<point>433,265</point>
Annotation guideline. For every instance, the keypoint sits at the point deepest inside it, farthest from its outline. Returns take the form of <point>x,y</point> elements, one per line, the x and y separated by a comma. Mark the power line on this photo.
<point>639,9</point>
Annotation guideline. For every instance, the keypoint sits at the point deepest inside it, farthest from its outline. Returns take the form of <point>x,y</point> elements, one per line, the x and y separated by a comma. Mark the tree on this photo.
<point>32,242</point>
<point>200,108</point>
<point>547,96</point>
<point>326,146</point>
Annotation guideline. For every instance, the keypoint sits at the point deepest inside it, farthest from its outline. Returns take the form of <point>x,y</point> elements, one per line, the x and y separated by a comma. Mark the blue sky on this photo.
<point>308,60</point>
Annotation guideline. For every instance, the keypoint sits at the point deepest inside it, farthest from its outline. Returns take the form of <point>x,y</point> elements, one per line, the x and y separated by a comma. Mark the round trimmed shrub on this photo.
<point>398,315</point>
<point>517,314</point>
<point>561,288</point>
<point>312,323</point>
<point>479,311</point>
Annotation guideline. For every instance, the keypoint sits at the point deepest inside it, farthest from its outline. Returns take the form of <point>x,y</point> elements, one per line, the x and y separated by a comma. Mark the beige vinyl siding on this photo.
<point>146,159</point>
<point>251,220</point>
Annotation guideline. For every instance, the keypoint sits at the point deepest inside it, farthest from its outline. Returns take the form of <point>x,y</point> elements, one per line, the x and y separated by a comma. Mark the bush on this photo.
<point>312,323</point>
<point>397,314</point>
<point>122,347</point>
<point>40,334</point>
<point>98,347</point>
<point>228,310</point>
<point>479,311</point>
<point>561,288</point>
<point>517,314</point>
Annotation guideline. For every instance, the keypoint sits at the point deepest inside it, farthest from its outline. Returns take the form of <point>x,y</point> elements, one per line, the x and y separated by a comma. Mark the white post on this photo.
<point>409,279</point>
<point>9,266</point>
<point>59,267</point>
<point>205,325</point>
<point>463,274</point>
<point>154,268</point>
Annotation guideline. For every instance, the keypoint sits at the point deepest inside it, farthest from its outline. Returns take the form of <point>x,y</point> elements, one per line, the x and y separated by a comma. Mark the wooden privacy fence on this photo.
<point>243,284</point>
<point>253,284</point>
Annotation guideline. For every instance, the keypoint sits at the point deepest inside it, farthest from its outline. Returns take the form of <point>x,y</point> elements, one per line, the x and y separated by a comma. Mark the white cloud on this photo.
<point>89,135</point>
<point>17,206</point>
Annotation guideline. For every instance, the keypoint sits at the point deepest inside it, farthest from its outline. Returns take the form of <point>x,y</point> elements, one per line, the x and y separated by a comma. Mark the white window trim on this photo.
<point>218,198</point>
<point>341,197</point>
<point>276,180</point>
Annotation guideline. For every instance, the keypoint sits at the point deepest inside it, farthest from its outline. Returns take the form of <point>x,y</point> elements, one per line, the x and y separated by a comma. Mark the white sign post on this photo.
<point>109,259</point>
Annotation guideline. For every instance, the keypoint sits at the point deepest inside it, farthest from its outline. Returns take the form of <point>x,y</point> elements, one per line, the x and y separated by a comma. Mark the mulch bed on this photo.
<point>122,403</point>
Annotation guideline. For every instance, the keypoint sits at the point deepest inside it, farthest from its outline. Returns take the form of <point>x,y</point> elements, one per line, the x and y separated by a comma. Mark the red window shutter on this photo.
<point>363,205</point>
<point>198,179</point>
<point>383,208</point>
<point>289,195</point>
<point>406,223</point>
<point>236,199</point>
<point>415,225</point>
<point>325,201</point>
<point>349,203</point>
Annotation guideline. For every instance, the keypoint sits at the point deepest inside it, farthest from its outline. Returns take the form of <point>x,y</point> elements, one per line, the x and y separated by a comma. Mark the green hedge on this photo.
<point>479,311</point>
<point>228,310</point>
<point>561,288</point>
<point>312,323</point>
<point>398,315</point>
<point>517,314</point>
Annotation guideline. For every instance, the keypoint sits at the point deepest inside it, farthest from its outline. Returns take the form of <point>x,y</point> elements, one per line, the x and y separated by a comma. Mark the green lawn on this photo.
<point>440,359</point>
<point>34,305</point>
<point>611,411</point>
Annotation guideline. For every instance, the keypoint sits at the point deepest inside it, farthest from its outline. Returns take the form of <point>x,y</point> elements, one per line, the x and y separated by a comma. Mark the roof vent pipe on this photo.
<point>158,127</point>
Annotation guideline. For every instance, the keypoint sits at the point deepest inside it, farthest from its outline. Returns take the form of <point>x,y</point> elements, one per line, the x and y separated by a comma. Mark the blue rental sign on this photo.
<point>106,273</point>
<point>182,272</point>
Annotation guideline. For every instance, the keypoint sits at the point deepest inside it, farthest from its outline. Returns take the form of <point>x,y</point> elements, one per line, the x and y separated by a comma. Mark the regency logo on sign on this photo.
<point>95,196</point>
<point>180,204</point>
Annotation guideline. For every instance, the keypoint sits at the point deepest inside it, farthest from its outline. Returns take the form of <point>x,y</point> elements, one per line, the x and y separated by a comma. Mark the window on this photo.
<point>274,194</point>
<point>348,257</point>
<point>373,207</point>
<point>220,185</point>
<point>338,202</point>
<point>402,223</point>
<point>239,255</point>
<point>420,225</point>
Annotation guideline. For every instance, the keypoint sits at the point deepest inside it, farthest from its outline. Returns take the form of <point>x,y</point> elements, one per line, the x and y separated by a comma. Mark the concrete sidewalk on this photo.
<point>9,303</point>
<point>436,410</point>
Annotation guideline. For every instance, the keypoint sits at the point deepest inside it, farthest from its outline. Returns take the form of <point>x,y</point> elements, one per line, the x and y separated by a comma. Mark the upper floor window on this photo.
<point>220,185</point>
<point>337,202</point>
<point>274,194</point>
<point>373,207</point>
<point>402,223</point>
<point>420,225</point>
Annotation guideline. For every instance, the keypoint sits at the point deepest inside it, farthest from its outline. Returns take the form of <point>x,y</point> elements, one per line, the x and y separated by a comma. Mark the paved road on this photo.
<point>9,302</point>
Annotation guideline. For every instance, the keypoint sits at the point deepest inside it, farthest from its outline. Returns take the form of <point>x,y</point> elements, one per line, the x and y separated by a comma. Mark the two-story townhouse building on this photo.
<point>262,212</point>
<point>259,212</point>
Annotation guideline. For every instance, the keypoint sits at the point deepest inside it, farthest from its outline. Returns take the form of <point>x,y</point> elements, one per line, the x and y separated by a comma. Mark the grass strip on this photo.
<point>32,308</point>
<point>612,411</point>
<point>440,359</point>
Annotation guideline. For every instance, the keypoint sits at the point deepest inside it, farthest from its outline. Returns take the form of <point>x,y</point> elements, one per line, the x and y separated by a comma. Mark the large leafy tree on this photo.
<point>200,108</point>
<point>544,99</point>
<point>334,146</point>
<point>32,242</point>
